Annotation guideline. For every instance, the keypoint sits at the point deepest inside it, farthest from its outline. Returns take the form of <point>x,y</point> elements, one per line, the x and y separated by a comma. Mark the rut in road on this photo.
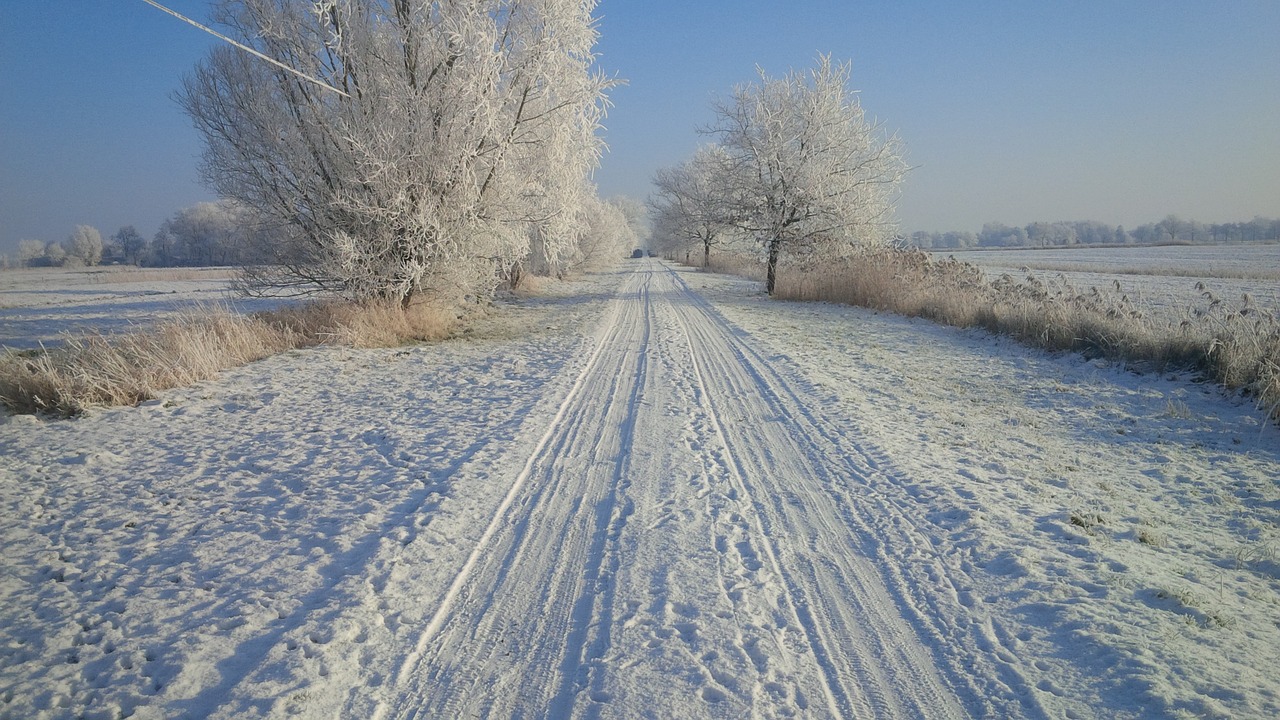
<point>681,543</point>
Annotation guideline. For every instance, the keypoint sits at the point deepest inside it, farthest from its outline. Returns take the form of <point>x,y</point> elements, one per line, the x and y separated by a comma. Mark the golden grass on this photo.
<point>94,369</point>
<point>729,263</point>
<point>1234,344</point>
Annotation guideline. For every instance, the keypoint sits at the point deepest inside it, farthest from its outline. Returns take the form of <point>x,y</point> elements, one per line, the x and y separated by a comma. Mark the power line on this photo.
<point>246,48</point>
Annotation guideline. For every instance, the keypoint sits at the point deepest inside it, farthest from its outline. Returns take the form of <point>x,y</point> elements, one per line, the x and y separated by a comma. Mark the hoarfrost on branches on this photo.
<point>85,244</point>
<point>468,129</point>
<point>807,172</point>
<point>692,204</point>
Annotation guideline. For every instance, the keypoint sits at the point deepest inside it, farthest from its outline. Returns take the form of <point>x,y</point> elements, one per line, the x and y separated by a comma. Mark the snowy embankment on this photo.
<point>658,494</point>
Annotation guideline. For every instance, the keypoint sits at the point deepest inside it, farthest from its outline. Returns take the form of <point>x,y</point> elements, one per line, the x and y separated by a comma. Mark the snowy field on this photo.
<point>38,305</point>
<point>1162,279</point>
<point>653,493</point>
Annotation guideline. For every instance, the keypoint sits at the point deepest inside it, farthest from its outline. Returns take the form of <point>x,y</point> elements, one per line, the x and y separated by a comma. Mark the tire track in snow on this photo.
<point>594,609</point>
<point>836,700</point>
<point>848,468</point>
<point>511,633</point>
<point>873,663</point>
<point>755,589</point>
<point>699,629</point>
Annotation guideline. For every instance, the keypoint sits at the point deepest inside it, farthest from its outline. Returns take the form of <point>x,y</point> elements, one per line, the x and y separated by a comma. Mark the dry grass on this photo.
<point>529,285</point>
<point>1234,344</point>
<point>362,325</point>
<point>125,369</point>
<point>736,264</point>
<point>726,261</point>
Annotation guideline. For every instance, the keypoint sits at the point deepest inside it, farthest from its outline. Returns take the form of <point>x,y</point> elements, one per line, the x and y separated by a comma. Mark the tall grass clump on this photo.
<point>96,369</point>
<point>1234,344</point>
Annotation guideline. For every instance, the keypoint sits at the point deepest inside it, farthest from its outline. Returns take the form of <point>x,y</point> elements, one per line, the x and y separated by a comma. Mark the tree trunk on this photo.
<point>515,275</point>
<point>706,256</point>
<point>775,249</point>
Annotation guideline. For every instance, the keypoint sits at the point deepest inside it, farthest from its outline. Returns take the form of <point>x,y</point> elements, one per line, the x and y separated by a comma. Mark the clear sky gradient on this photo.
<point>1115,110</point>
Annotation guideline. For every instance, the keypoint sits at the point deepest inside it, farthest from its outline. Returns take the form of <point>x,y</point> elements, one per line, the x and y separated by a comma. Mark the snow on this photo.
<point>1207,260</point>
<point>999,447</point>
<point>39,305</point>
<point>1161,280</point>
<point>652,493</point>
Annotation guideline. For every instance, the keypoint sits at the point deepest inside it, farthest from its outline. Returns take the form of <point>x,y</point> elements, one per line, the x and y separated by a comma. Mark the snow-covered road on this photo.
<point>655,494</point>
<point>685,540</point>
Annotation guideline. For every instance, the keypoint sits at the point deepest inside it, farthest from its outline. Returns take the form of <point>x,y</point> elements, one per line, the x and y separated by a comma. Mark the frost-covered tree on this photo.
<point>694,202</point>
<point>591,236</point>
<point>460,125</point>
<point>84,243</point>
<point>634,212</point>
<point>1171,225</point>
<point>130,245</point>
<point>161,249</point>
<point>55,254</point>
<point>208,233</point>
<point>665,234</point>
<point>552,240</point>
<point>30,252</point>
<point>808,172</point>
<point>608,233</point>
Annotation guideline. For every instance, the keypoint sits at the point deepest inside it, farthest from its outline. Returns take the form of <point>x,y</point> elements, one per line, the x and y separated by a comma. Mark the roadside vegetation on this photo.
<point>1234,343</point>
<point>797,169</point>
<point>799,190</point>
<point>126,369</point>
<point>432,157</point>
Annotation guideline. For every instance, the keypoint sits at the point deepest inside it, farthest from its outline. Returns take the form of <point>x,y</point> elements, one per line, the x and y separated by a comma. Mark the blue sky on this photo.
<point>1116,110</point>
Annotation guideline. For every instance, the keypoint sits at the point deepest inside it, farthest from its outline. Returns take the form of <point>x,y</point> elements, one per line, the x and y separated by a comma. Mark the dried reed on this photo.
<point>95,369</point>
<point>1234,344</point>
